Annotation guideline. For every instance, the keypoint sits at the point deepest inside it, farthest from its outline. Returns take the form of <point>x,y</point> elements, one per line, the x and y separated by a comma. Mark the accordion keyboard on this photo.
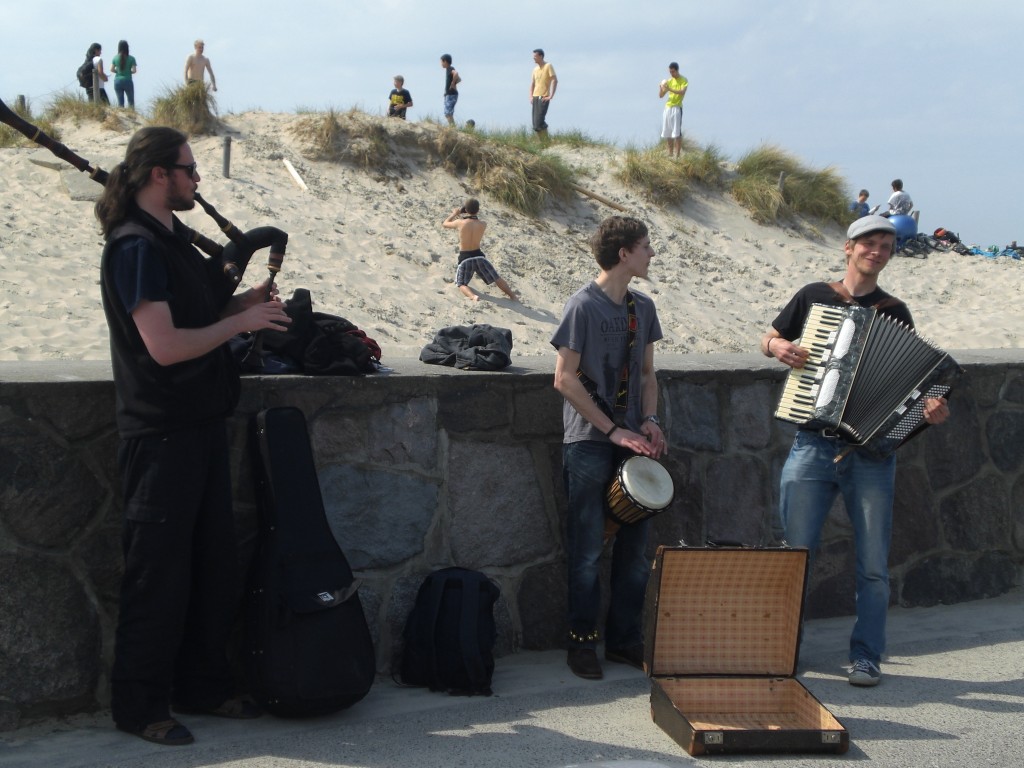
<point>828,334</point>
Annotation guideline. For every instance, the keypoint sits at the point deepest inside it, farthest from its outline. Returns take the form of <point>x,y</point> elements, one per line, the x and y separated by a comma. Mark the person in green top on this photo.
<point>672,122</point>
<point>124,67</point>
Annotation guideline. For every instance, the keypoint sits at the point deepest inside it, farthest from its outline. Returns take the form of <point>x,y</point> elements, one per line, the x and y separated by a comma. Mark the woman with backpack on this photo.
<point>124,67</point>
<point>93,63</point>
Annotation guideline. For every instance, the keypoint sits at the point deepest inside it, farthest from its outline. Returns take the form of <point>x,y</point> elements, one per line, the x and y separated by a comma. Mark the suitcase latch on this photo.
<point>830,737</point>
<point>714,737</point>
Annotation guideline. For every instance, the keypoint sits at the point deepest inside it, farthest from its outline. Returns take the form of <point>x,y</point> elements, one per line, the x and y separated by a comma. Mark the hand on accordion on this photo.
<point>936,410</point>
<point>787,352</point>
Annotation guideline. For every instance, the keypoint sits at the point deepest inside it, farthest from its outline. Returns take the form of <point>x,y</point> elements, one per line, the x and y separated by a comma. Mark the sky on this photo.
<point>929,92</point>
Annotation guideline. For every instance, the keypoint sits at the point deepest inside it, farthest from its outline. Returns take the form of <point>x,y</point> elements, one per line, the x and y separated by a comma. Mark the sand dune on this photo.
<point>369,246</point>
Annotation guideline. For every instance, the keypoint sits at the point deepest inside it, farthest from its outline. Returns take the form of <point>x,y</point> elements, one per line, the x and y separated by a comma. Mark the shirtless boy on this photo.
<point>471,258</point>
<point>197,65</point>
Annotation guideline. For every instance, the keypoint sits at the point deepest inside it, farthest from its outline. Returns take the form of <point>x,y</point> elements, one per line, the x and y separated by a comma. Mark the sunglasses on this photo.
<point>190,169</point>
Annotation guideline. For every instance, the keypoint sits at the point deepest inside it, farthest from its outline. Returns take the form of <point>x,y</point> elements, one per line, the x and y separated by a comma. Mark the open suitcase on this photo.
<point>722,628</point>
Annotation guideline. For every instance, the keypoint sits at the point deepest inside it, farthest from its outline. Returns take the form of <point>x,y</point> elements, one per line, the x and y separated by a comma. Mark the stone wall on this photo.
<point>427,467</point>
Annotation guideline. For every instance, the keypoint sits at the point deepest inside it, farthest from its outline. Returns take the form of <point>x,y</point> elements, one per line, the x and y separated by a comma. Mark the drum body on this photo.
<point>641,489</point>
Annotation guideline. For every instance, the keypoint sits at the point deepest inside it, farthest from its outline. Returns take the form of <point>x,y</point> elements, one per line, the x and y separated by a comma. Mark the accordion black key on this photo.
<point>866,378</point>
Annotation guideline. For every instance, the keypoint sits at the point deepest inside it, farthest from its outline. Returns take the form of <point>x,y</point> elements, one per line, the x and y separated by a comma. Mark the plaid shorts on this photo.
<point>476,265</point>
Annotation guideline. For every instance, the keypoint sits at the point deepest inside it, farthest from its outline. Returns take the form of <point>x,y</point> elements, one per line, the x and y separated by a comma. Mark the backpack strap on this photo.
<point>427,630</point>
<point>469,633</point>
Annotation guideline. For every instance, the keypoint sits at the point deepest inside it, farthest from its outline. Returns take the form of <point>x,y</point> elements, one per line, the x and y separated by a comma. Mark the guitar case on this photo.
<point>308,646</point>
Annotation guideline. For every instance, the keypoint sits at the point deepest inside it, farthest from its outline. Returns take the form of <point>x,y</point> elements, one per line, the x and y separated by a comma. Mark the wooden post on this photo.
<point>95,85</point>
<point>19,104</point>
<point>226,170</point>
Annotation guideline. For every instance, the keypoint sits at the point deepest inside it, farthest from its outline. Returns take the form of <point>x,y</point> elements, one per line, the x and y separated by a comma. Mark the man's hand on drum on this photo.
<point>650,441</point>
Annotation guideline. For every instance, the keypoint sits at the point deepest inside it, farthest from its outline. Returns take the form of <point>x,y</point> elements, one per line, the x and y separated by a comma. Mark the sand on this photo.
<point>369,247</point>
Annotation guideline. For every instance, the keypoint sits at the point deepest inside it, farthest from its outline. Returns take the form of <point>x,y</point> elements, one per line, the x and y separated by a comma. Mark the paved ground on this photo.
<point>953,695</point>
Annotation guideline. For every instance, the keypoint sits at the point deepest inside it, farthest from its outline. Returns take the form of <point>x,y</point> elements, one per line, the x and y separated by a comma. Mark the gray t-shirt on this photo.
<point>597,328</point>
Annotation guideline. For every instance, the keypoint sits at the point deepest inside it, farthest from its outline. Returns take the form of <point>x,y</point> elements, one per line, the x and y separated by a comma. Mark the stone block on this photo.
<point>694,421</point>
<point>47,493</point>
<point>750,415</point>
<point>951,578</point>
<point>735,494</point>
<point>831,589</point>
<point>915,524</point>
<point>1014,389</point>
<point>497,510</point>
<point>537,412</point>
<point>405,434</point>
<point>968,520</point>
<point>1005,434</point>
<point>953,451</point>
<point>1017,507</point>
<point>543,609</point>
<point>474,407</point>
<point>379,518</point>
<point>683,520</point>
<point>49,636</point>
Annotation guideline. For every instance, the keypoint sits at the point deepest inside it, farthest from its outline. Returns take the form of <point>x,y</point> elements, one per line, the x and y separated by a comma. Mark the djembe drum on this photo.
<point>642,488</point>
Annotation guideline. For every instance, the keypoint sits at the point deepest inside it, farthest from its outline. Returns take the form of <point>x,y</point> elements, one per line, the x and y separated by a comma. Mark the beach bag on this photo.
<point>84,73</point>
<point>449,635</point>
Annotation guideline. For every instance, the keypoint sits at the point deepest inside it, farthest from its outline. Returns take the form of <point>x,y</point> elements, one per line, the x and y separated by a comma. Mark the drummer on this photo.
<point>605,372</point>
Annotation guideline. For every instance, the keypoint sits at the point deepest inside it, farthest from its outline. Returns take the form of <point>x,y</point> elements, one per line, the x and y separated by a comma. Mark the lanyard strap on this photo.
<point>622,393</point>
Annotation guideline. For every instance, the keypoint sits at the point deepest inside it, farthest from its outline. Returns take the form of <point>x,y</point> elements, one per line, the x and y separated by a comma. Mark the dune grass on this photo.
<point>189,108</point>
<point>657,178</point>
<point>505,164</point>
<point>773,184</point>
<point>75,107</point>
<point>522,179</point>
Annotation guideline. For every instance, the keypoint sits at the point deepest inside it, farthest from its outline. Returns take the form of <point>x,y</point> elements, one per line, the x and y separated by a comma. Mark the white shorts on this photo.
<point>672,123</point>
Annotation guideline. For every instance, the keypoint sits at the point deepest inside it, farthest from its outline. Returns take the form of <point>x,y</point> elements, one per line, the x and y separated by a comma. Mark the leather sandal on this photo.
<point>170,733</point>
<point>237,708</point>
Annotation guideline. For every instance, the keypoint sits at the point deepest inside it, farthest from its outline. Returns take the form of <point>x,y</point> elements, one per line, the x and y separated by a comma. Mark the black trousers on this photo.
<point>179,594</point>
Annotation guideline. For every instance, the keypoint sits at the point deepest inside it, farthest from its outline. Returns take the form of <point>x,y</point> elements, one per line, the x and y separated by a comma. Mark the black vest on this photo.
<point>151,398</point>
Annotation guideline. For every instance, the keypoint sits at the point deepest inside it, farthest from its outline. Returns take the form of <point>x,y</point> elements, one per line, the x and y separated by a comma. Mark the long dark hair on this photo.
<point>94,50</point>
<point>150,147</point>
<point>121,61</point>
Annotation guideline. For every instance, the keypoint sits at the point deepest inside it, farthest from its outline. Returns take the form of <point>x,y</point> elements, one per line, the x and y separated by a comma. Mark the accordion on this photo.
<point>866,378</point>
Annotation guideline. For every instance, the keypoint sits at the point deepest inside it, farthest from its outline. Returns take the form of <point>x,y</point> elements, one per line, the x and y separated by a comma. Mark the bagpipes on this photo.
<point>227,263</point>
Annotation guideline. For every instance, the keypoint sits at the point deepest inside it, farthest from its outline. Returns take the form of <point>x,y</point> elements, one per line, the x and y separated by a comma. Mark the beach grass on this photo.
<point>656,177</point>
<point>189,108</point>
<point>773,184</point>
<point>74,107</point>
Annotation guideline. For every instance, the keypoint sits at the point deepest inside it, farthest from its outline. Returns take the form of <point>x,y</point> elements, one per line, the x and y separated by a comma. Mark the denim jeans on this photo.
<point>588,468</point>
<point>124,88</point>
<point>811,480</point>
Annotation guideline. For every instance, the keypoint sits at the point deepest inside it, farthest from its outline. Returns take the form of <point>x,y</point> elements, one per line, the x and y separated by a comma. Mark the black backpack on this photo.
<point>84,73</point>
<point>449,635</point>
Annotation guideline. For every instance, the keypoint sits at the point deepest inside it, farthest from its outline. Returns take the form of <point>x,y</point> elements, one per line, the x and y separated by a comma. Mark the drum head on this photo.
<point>647,482</point>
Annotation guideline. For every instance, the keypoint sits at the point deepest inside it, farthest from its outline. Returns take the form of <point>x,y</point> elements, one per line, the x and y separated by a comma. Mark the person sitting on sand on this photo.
<point>471,258</point>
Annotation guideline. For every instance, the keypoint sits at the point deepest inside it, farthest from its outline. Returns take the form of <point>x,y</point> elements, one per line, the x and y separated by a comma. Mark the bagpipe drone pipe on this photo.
<point>227,263</point>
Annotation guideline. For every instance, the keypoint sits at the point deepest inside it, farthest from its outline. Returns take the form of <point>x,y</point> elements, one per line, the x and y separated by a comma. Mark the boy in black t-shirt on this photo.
<point>399,100</point>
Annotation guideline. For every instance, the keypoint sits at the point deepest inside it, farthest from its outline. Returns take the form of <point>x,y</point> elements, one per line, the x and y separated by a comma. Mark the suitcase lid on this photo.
<point>724,611</point>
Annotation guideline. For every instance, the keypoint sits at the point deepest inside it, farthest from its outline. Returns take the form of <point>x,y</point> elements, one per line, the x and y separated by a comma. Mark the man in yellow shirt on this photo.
<point>542,90</point>
<point>672,122</point>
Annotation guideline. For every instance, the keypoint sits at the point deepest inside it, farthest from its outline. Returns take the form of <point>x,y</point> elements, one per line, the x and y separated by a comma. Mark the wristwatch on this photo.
<point>653,418</point>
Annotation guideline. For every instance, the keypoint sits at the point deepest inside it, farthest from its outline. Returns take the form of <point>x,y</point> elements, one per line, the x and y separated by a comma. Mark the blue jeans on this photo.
<point>124,88</point>
<point>810,483</point>
<point>588,468</point>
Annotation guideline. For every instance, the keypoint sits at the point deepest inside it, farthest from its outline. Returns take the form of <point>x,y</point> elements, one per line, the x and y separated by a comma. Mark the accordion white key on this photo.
<point>866,378</point>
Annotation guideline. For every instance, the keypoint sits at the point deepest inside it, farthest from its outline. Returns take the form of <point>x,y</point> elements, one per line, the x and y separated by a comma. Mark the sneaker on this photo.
<point>634,656</point>
<point>169,733</point>
<point>583,663</point>
<point>864,673</point>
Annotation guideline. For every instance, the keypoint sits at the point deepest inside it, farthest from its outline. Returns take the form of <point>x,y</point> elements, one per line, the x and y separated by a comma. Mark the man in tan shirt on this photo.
<point>543,85</point>
<point>197,65</point>
<point>471,259</point>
